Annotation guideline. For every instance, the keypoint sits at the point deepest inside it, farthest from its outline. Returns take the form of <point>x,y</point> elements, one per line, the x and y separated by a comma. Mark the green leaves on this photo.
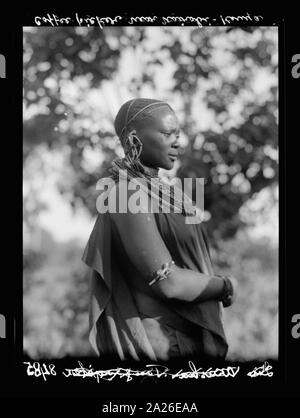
<point>73,78</point>
<point>222,82</point>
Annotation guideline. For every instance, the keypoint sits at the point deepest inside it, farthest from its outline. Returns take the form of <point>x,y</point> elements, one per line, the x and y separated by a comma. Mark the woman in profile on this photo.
<point>154,293</point>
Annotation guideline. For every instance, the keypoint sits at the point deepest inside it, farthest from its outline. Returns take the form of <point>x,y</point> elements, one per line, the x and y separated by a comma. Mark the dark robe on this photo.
<point>128,319</point>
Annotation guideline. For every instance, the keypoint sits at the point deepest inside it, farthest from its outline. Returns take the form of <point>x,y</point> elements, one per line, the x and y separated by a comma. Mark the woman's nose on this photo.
<point>175,142</point>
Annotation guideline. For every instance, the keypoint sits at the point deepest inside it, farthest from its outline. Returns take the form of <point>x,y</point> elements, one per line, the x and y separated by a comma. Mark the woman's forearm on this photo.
<point>188,285</point>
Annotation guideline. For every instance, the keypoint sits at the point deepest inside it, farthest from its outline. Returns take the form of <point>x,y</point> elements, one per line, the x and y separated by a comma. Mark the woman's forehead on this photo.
<point>164,117</point>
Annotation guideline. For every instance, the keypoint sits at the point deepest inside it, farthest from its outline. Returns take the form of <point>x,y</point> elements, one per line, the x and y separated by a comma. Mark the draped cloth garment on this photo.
<point>133,324</point>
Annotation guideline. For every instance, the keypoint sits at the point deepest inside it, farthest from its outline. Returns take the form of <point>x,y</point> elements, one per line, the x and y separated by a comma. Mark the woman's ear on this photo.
<point>132,133</point>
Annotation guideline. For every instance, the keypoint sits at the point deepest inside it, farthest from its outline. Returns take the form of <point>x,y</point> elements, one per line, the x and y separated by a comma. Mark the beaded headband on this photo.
<point>138,112</point>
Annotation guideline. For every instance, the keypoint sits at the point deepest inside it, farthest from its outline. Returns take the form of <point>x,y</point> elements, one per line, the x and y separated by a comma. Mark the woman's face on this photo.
<point>159,135</point>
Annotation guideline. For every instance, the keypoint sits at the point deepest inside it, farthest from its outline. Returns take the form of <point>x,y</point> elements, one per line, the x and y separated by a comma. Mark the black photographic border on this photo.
<point>13,371</point>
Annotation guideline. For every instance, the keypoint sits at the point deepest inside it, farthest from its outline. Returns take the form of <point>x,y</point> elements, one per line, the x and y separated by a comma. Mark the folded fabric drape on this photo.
<point>133,325</point>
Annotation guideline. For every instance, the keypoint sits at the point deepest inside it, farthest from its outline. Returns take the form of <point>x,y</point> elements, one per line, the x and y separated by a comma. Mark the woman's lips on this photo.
<point>173,157</point>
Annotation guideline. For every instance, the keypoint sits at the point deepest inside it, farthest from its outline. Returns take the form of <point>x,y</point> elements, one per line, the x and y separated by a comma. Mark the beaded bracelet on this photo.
<point>227,291</point>
<point>162,273</point>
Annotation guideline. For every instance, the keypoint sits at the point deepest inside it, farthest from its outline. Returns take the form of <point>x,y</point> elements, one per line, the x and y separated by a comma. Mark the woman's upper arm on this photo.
<point>143,245</point>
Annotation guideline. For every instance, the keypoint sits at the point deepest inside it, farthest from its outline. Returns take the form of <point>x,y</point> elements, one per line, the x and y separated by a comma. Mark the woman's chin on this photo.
<point>169,165</point>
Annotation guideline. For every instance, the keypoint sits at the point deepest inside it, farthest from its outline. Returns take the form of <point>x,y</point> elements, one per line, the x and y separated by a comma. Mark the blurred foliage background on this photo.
<point>222,83</point>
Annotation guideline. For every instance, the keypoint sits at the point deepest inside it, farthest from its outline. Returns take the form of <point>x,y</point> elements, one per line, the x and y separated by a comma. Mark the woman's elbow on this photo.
<point>170,288</point>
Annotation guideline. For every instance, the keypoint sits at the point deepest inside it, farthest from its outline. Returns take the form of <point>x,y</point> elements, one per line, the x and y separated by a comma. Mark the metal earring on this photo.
<point>133,147</point>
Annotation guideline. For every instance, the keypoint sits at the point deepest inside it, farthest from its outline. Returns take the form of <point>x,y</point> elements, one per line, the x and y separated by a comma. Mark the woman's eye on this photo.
<point>168,134</point>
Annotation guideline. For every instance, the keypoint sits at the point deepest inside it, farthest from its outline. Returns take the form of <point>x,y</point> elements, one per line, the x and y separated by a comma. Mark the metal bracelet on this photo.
<point>162,273</point>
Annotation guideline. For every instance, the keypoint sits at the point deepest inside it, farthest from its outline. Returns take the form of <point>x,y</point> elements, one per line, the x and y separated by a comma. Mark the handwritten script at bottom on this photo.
<point>152,371</point>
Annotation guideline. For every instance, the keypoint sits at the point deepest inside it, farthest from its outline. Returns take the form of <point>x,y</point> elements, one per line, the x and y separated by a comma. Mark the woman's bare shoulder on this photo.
<point>129,199</point>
